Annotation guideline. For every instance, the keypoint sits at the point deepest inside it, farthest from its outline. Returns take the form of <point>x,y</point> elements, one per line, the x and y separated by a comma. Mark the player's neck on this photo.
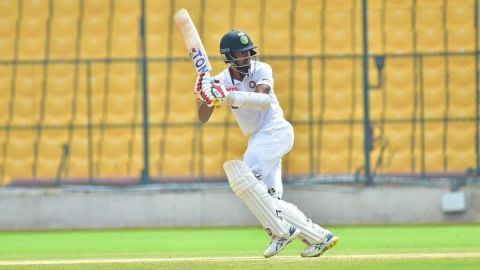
<point>236,75</point>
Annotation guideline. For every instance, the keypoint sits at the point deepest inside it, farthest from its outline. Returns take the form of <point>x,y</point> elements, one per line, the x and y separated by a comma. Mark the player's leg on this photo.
<point>265,151</point>
<point>317,238</point>
<point>254,194</point>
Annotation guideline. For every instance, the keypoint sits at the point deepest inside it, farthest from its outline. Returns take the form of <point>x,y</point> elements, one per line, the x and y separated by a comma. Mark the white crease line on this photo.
<point>222,259</point>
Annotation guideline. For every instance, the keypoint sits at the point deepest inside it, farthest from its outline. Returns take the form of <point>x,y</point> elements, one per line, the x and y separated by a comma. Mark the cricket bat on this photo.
<point>192,41</point>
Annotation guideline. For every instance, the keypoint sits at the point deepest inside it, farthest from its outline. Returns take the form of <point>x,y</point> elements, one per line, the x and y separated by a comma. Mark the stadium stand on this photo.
<point>71,87</point>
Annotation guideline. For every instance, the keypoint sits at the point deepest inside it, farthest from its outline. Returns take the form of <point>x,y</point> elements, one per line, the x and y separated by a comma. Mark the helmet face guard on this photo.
<point>238,41</point>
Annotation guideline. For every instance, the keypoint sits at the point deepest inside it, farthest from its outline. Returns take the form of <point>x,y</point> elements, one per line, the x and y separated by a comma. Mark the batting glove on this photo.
<point>203,80</point>
<point>214,94</point>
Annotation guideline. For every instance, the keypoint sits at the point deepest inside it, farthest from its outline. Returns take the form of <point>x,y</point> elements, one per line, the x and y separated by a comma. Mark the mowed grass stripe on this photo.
<point>416,256</point>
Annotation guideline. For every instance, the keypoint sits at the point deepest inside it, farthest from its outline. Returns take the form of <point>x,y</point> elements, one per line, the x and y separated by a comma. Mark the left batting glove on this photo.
<point>203,79</point>
<point>213,94</point>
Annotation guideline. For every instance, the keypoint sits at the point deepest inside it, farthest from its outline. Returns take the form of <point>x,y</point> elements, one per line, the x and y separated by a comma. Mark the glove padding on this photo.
<point>203,80</point>
<point>213,94</point>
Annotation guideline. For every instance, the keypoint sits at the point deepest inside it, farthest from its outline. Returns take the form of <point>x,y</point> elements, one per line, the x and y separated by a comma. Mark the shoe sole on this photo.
<point>292,237</point>
<point>330,245</point>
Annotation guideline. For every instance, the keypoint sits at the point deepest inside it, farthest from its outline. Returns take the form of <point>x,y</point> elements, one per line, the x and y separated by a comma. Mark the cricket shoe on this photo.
<point>279,243</point>
<point>316,250</point>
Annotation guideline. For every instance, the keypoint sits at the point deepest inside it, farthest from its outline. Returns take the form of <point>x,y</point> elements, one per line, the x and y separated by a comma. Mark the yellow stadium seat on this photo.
<point>398,28</point>
<point>176,157</point>
<point>7,35</point>
<point>299,159</point>
<point>461,136</point>
<point>236,142</point>
<point>98,85</point>
<point>69,8</point>
<point>212,150</point>
<point>429,29</point>
<point>246,17</point>
<point>334,149</point>
<point>114,153</point>
<point>281,76</point>
<point>461,39</point>
<point>63,39</point>
<point>217,25</point>
<point>9,9</point>
<point>57,111</point>
<point>94,36</point>
<point>399,89</point>
<point>5,95</point>
<point>434,95</point>
<point>156,140</point>
<point>51,152</point>
<point>337,96</point>
<point>25,111</point>
<point>461,161</point>
<point>182,103</point>
<point>123,78</point>
<point>307,28</point>
<point>115,143</point>
<point>462,96</point>
<point>78,168</point>
<point>303,99</point>
<point>432,146</point>
<point>17,169</point>
<point>338,32</point>
<point>277,21</point>
<point>4,110</point>
<point>460,15</point>
<point>115,167</point>
<point>125,36</point>
<point>156,91</point>
<point>21,145</point>
<point>339,5</point>
<point>376,28</point>
<point>158,20</point>
<point>127,7</point>
<point>97,8</point>
<point>78,161</point>
<point>433,161</point>
<point>31,43</point>
<point>398,154</point>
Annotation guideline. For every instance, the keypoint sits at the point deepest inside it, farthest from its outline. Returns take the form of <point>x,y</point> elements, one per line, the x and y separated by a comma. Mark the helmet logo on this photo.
<point>244,40</point>
<point>252,84</point>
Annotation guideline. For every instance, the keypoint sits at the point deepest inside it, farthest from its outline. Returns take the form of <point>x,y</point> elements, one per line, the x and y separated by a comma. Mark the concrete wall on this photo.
<point>66,208</point>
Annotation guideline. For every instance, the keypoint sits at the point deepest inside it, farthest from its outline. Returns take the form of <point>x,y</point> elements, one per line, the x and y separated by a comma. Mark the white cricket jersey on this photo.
<point>251,120</point>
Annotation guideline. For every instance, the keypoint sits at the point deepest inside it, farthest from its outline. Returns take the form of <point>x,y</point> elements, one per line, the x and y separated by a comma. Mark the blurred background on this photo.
<point>100,93</point>
<point>76,77</point>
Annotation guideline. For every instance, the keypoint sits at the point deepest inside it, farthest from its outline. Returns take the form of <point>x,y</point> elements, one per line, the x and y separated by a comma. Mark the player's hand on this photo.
<point>203,80</point>
<point>213,94</point>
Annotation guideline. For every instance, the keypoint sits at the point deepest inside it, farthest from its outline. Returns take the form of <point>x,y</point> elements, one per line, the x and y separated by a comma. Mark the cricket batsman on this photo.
<point>257,180</point>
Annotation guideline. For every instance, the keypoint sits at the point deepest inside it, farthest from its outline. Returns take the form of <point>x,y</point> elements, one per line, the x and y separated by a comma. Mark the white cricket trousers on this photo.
<point>264,155</point>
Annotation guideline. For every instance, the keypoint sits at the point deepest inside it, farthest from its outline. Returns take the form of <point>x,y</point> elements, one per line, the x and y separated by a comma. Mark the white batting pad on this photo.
<point>311,233</point>
<point>249,100</point>
<point>254,194</point>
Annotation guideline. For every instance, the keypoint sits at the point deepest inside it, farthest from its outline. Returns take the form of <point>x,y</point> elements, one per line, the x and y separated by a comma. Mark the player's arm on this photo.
<point>263,88</point>
<point>204,112</point>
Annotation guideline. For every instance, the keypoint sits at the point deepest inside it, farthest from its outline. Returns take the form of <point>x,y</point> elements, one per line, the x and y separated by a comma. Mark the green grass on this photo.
<point>233,242</point>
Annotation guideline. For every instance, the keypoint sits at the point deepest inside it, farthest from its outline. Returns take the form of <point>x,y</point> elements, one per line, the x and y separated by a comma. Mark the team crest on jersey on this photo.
<point>252,84</point>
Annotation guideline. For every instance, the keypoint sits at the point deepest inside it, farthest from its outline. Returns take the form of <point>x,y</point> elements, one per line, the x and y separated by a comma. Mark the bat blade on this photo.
<point>192,41</point>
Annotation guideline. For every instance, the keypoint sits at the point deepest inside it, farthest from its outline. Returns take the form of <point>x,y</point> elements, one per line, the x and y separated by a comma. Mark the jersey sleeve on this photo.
<point>265,75</point>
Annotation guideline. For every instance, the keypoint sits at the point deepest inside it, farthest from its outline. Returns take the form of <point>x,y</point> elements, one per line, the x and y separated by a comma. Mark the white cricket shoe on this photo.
<point>316,250</point>
<point>279,243</point>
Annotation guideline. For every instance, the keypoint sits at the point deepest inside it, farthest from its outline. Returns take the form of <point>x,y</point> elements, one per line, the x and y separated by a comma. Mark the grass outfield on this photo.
<point>394,247</point>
